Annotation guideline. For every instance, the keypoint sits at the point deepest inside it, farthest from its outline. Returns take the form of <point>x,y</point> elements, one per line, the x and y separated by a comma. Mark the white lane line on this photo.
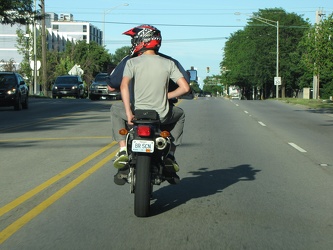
<point>246,112</point>
<point>297,147</point>
<point>262,124</point>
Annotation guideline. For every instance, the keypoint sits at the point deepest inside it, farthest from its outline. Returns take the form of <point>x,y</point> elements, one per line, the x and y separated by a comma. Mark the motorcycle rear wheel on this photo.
<point>142,186</point>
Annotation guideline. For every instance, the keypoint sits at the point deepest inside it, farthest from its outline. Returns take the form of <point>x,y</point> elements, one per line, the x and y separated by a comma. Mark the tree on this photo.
<point>8,66</point>
<point>17,11</point>
<point>317,48</point>
<point>236,66</point>
<point>120,54</point>
<point>24,47</point>
<point>195,86</point>
<point>212,84</point>
<point>250,54</point>
<point>91,57</point>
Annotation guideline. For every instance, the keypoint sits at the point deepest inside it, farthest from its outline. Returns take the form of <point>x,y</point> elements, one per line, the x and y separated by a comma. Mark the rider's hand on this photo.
<point>130,118</point>
<point>110,88</point>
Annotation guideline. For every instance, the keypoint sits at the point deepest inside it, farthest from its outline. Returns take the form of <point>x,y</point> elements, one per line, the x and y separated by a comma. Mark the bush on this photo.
<point>327,91</point>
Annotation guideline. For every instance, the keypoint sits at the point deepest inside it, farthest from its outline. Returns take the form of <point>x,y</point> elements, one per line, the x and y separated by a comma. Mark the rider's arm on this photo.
<point>182,89</point>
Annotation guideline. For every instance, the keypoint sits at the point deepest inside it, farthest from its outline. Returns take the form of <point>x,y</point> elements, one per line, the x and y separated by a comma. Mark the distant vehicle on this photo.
<point>234,92</point>
<point>68,85</point>
<point>13,90</point>
<point>205,94</point>
<point>99,88</point>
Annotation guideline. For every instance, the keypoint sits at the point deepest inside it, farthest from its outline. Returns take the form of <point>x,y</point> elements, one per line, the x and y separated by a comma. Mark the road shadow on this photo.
<point>203,183</point>
<point>321,110</point>
<point>65,113</point>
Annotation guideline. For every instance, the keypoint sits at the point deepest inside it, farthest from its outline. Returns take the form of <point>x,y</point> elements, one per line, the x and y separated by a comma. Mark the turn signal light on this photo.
<point>123,131</point>
<point>165,134</point>
<point>143,130</point>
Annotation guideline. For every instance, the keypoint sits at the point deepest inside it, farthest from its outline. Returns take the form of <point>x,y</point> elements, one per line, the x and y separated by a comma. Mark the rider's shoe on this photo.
<point>121,160</point>
<point>121,177</point>
<point>171,164</point>
<point>174,180</point>
<point>171,168</point>
<point>172,177</point>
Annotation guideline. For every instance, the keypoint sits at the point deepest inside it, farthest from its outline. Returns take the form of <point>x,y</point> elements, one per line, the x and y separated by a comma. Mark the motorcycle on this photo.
<point>148,145</point>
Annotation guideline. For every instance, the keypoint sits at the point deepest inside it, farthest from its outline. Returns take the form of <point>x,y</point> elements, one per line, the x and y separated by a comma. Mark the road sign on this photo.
<point>277,80</point>
<point>32,65</point>
<point>76,71</point>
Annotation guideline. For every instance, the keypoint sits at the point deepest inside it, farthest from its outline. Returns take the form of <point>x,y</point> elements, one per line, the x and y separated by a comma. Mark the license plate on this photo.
<point>143,146</point>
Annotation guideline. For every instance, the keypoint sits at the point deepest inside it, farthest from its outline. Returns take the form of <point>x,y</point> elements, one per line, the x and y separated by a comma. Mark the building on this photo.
<point>60,29</point>
<point>8,37</point>
<point>77,30</point>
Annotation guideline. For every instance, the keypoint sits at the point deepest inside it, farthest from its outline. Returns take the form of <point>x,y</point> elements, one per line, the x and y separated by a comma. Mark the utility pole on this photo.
<point>44,65</point>
<point>315,85</point>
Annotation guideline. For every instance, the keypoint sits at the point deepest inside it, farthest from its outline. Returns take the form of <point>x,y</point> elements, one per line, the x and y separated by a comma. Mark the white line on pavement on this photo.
<point>262,124</point>
<point>297,147</point>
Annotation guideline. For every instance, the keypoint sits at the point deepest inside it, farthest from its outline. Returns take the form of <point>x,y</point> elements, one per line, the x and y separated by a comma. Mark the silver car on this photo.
<point>99,88</point>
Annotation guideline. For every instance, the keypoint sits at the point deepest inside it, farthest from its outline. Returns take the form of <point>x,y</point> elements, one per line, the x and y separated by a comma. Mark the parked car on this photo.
<point>99,88</point>
<point>68,85</point>
<point>13,90</point>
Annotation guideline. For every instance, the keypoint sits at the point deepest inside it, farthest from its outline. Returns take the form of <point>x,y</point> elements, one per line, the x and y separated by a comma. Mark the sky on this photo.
<point>193,32</point>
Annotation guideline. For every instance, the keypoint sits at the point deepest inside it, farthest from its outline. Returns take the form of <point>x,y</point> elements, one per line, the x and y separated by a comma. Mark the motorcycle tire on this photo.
<point>142,186</point>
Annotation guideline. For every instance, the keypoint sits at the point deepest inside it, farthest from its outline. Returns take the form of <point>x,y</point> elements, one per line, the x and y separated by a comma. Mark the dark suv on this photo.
<point>68,85</point>
<point>13,90</point>
<point>99,88</point>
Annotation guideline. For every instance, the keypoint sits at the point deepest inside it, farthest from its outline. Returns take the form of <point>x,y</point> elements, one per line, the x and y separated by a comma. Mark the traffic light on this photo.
<point>208,69</point>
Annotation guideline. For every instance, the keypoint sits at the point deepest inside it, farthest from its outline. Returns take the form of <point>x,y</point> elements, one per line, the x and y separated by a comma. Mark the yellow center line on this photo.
<point>54,179</point>
<point>19,223</point>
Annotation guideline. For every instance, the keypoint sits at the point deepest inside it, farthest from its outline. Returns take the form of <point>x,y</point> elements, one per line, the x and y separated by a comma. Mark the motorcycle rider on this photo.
<point>151,73</point>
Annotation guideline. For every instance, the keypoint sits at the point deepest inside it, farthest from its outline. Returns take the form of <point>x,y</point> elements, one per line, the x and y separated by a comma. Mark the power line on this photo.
<point>195,25</point>
<point>172,40</point>
<point>170,25</point>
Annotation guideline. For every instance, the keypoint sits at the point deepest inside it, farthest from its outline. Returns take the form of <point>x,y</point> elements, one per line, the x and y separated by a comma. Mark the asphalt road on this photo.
<point>255,175</point>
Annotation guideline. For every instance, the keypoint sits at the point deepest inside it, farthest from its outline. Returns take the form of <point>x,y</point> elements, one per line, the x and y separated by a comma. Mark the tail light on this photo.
<point>123,131</point>
<point>165,134</point>
<point>144,130</point>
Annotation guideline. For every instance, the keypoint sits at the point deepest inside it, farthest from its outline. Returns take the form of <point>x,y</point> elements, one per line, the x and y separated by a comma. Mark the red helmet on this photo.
<point>144,37</point>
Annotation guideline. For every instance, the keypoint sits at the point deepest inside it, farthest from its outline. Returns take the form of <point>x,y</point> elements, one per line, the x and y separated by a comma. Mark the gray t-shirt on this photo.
<point>151,75</point>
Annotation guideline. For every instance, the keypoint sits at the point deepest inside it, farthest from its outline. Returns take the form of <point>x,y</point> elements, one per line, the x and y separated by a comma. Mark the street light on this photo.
<point>277,79</point>
<point>35,53</point>
<point>107,12</point>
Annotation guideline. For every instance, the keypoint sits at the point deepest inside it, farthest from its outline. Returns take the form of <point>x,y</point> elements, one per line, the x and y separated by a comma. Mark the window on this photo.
<point>84,28</point>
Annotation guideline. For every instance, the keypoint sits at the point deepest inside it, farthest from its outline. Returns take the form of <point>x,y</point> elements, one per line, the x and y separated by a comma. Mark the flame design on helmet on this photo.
<point>144,37</point>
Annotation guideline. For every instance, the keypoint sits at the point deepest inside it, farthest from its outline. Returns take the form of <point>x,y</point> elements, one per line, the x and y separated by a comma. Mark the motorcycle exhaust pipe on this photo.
<point>161,143</point>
